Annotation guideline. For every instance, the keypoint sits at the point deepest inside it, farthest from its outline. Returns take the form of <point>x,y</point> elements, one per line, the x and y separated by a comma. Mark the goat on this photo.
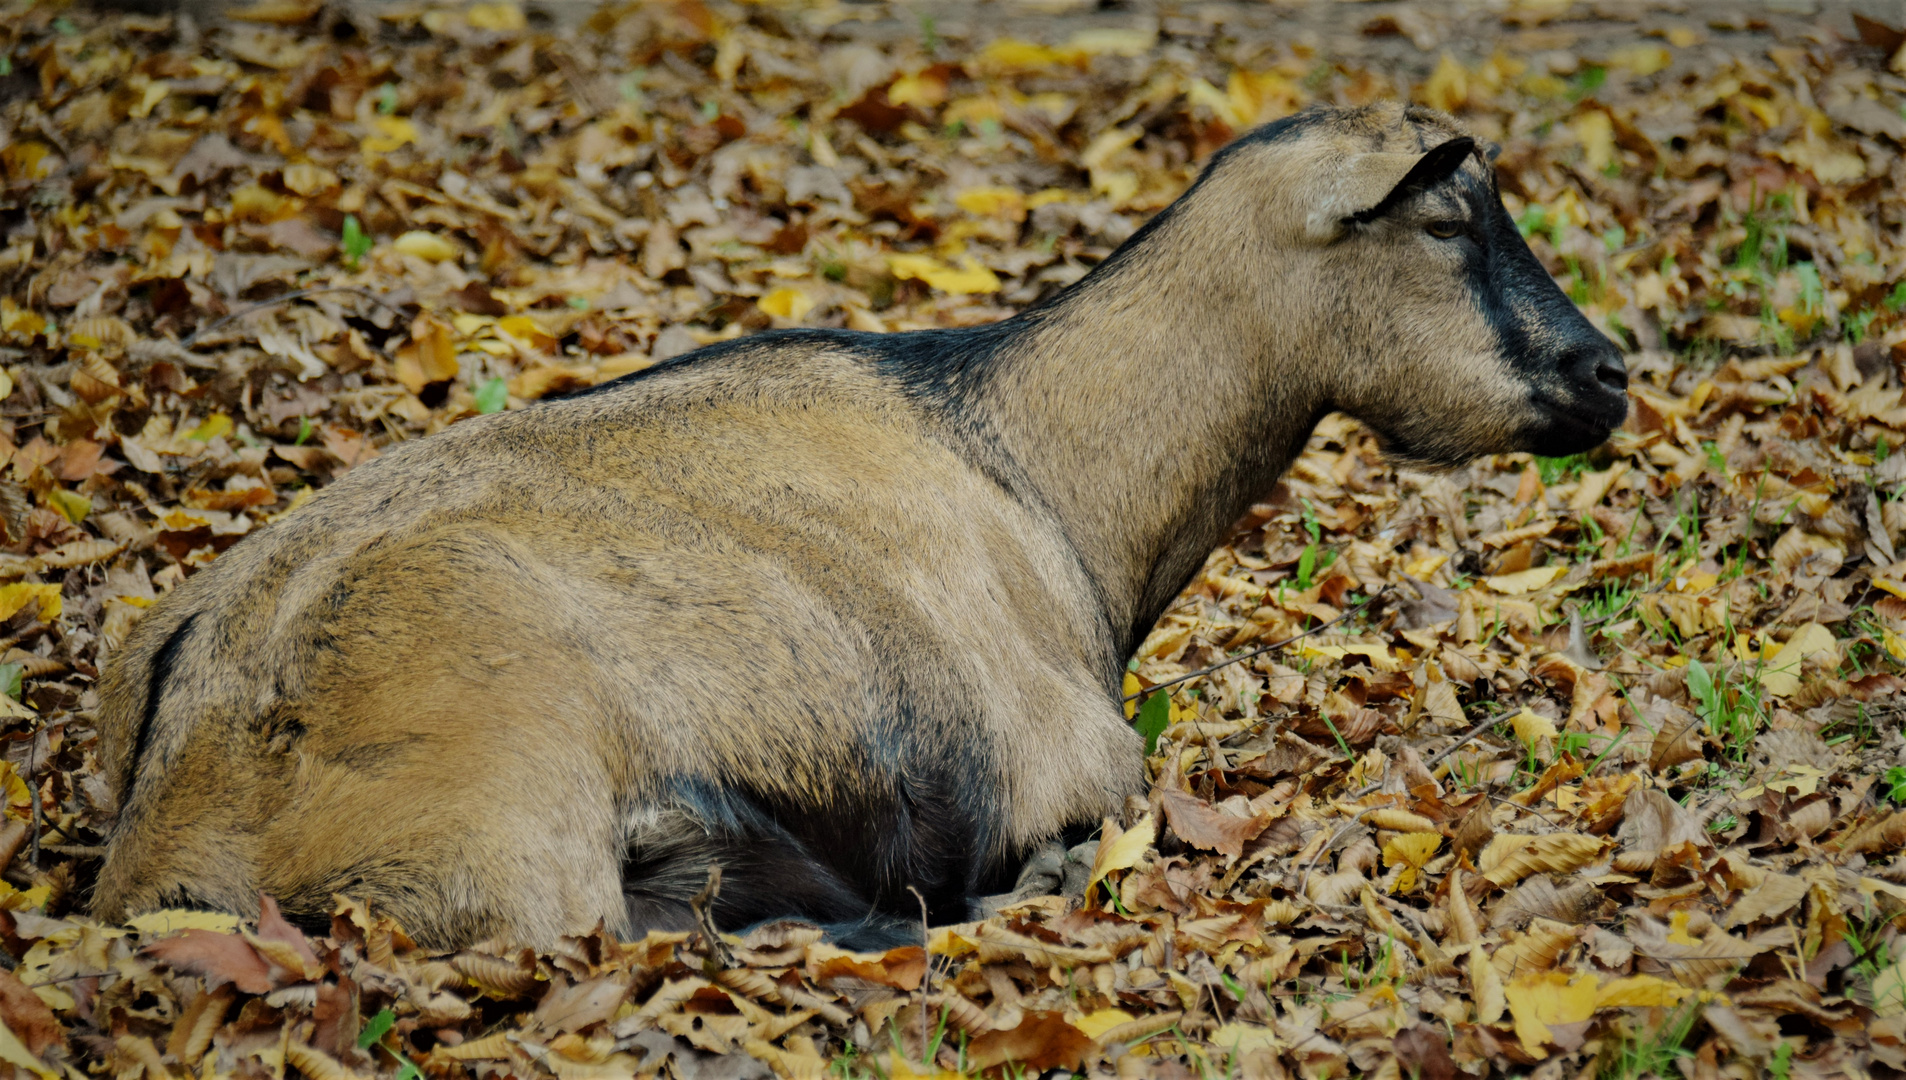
<point>845,613</point>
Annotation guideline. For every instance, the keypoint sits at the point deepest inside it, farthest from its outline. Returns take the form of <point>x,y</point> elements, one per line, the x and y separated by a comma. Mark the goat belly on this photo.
<point>851,862</point>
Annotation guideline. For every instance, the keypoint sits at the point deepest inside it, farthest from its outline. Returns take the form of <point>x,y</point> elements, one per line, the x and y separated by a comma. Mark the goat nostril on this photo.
<point>1612,373</point>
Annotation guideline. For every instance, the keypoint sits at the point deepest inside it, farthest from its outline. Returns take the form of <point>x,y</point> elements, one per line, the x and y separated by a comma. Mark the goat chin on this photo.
<point>844,614</point>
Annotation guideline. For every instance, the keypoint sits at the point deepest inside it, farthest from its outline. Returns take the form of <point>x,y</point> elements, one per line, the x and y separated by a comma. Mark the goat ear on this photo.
<point>1368,186</point>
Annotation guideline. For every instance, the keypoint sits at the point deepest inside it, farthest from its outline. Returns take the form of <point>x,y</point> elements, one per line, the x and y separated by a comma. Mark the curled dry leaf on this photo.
<point>1197,824</point>
<point>1774,896</point>
<point>1510,858</point>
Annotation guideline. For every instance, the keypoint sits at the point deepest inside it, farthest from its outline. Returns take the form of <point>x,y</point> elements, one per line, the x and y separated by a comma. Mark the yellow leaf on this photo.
<point>899,1068</point>
<point>1112,42</point>
<point>1641,60</point>
<point>1095,1024</point>
<point>1241,1039</point>
<point>19,594</point>
<point>1895,645</point>
<point>1678,930</point>
<point>19,797</point>
<point>72,506</point>
<point>392,132</point>
<point>1525,581</point>
<point>1485,986</point>
<point>950,941</point>
<point>1130,687</point>
<point>1596,132</point>
<point>1425,566</point>
<point>1782,676</point>
<point>500,16</point>
<point>1447,87</point>
<point>922,89</point>
<point>1640,992</point>
<point>215,425</point>
<point>786,304</point>
<point>28,159</point>
<point>468,325</point>
<point>993,202</point>
<point>18,322</point>
<point>14,1052</point>
<point>1012,54</point>
<point>173,920</point>
<point>27,900</point>
<point>307,179</point>
<point>1411,851</point>
<point>1379,656</point>
<point>526,331</point>
<point>254,202</point>
<point>1532,727</point>
<point>970,278</point>
<point>1123,851</point>
<point>1540,998</point>
<point>1891,586</point>
<point>427,246</point>
<point>1254,96</point>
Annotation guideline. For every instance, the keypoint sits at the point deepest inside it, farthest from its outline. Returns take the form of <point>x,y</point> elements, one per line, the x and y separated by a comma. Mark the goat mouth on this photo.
<point>1574,427</point>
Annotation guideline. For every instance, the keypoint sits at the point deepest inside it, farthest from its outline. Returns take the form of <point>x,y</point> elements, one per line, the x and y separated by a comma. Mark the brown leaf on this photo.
<point>218,958</point>
<point>1202,827</point>
<point>1475,830</point>
<point>900,968</point>
<point>1510,858</point>
<point>1424,1054</point>
<point>27,1016</point>
<point>1535,949</point>
<point>192,1035</point>
<point>429,356</point>
<point>1773,896</point>
<point>574,1008</point>
<point>1537,897</point>
<point>1652,821</point>
<point>1043,1040</point>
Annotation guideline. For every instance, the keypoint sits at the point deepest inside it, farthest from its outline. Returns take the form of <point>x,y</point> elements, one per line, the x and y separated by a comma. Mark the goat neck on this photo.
<point>1153,402</point>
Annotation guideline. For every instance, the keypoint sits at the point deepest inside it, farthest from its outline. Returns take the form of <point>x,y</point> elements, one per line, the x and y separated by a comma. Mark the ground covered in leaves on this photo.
<point>1597,775</point>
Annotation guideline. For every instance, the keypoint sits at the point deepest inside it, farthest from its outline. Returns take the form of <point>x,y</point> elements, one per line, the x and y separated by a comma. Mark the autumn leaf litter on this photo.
<point>1600,775</point>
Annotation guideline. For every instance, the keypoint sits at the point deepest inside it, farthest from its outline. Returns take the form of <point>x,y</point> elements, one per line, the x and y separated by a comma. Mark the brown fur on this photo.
<point>848,577</point>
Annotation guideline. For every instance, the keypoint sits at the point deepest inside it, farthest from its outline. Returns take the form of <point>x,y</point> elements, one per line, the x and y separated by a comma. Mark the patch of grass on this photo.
<point>1560,470</point>
<point>1731,705</point>
<point>1872,956</point>
<point>373,1034</point>
<point>1652,1053</point>
<point>1895,778</point>
<point>493,396</point>
<point>355,242</point>
<point>1153,718</point>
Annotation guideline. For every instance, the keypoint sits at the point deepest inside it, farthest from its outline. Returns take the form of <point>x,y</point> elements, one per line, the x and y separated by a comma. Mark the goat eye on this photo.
<point>1445,230</point>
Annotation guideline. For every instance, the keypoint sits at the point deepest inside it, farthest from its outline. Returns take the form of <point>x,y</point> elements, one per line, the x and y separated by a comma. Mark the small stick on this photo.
<point>702,904</point>
<point>926,987</point>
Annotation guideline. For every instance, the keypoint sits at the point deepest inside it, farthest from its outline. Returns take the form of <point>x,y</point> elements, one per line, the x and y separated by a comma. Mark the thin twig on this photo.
<point>926,985</point>
<point>1260,651</point>
<point>1437,758</point>
<point>71,978</point>
<point>295,294</point>
<point>703,906</point>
